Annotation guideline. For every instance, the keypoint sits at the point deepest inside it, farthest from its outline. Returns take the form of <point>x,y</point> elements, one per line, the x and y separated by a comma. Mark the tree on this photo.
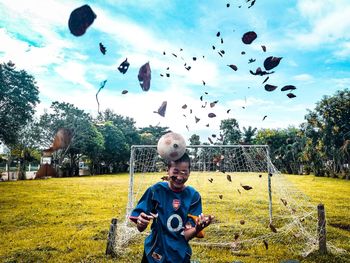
<point>18,97</point>
<point>248,134</point>
<point>151,134</point>
<point>195,139</point>
<point>125,124</point>
<point>86,138</point>
<point>116,149</point>
<point>24,151</point>
<point>331,119</point>
<point>286,146</point>
<point>230,131</point>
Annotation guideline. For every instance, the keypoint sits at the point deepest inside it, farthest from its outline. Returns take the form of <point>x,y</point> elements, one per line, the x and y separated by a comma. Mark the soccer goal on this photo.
<point>253,203</point>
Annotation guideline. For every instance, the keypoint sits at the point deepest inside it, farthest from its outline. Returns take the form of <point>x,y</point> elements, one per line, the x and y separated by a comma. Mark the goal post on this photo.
<point>253,203</point>
<point>247,165</point>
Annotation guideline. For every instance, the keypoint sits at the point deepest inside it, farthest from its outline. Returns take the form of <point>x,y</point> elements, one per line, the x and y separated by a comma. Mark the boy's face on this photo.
<point>178,175</point>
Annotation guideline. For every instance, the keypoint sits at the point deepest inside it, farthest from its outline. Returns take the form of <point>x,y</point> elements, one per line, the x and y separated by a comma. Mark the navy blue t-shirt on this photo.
<point>167,242</point>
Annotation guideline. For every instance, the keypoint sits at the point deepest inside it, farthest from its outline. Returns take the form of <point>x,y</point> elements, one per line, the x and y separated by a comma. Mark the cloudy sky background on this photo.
<point>312,36</point>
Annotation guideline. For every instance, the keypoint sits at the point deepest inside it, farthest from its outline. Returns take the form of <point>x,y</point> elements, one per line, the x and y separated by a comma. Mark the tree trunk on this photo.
<point>8,167</point>
<point>22,170</point>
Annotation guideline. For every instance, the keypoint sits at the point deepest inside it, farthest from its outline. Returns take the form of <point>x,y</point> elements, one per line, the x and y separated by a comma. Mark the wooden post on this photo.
<point>321,230</point>
<point>111,237</point>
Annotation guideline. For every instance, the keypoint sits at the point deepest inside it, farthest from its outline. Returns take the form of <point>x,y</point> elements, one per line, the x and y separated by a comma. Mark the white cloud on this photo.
<point>329,22</point>
<point>74,72</point>
<point>342,83</point>
<point>303,77</point>
<point>343,51</point>
<point>250,101</point>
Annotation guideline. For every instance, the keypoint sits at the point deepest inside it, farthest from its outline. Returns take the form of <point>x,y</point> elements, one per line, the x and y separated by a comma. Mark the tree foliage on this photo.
<point>230,130</point>
<point>249,134</point>
<point>151,134</point>
<point>18,97</point>
<point>328,129</point>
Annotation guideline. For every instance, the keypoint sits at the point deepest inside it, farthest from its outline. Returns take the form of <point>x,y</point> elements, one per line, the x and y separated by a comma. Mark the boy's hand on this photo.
<point>203,221</point>
<point>143,220</point>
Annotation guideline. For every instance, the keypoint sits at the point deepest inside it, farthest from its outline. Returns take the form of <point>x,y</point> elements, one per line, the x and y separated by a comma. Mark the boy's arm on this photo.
<point>139,215</point>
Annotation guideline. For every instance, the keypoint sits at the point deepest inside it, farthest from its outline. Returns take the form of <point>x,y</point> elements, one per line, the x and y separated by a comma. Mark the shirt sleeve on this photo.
<point>145,205</point>
<point>195,208</point>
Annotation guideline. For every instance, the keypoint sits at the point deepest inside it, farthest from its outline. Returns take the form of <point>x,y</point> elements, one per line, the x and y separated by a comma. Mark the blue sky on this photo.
<point>311,36</point>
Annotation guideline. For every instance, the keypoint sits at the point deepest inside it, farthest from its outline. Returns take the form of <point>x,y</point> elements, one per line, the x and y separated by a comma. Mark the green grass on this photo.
<point>67,219</point>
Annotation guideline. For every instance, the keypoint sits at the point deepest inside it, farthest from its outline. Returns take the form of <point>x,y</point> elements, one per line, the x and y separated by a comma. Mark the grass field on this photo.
<point>67,220</point>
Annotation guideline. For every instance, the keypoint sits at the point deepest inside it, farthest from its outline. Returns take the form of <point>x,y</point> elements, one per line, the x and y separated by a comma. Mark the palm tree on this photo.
<point>248,134</point>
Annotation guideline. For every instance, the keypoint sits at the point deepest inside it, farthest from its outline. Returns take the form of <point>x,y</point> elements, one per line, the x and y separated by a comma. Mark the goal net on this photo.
<point>253,203</point>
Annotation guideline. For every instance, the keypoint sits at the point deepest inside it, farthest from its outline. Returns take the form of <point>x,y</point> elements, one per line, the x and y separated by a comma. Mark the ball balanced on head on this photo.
<point>171,146</point>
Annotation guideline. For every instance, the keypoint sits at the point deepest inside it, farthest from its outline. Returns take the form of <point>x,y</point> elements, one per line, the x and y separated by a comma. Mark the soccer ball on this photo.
<point>171,146</point>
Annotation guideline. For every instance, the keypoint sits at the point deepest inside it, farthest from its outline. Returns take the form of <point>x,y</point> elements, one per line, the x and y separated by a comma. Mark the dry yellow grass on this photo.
<point>67,219</point>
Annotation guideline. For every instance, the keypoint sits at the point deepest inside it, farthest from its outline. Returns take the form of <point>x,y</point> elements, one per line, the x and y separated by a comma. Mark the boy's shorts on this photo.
<point>145,260</point>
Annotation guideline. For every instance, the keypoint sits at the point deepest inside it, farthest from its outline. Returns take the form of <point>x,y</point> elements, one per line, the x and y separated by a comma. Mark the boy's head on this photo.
<point>178,172</point>
<point>184,159</point>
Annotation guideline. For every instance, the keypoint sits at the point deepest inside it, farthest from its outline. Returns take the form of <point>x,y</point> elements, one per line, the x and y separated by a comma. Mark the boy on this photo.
<point>176,211</point>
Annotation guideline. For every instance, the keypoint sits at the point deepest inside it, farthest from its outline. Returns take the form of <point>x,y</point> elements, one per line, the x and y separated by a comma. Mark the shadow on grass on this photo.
<point>39,254</point>
<point>328,258</point>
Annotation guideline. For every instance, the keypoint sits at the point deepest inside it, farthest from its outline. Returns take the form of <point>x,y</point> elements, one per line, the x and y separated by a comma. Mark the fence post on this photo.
<point>111,237</point>
<point>321,230</point>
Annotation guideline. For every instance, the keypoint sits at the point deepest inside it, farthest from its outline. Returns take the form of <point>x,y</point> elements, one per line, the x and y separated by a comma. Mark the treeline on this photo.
<point>320,145</point>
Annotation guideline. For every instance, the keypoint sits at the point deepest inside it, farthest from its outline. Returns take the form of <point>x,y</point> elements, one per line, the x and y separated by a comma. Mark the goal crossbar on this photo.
<point>264,148</point>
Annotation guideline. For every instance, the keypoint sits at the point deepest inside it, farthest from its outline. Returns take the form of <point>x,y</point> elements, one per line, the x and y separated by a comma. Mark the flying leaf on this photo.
<point>249,37</point>
<point>80,19</point>
<point>291,95</point>
<point>102,85</point>
<point>162,109</point>
<point>284,201</point>
<point>288,87</point>
<point>123,67</point>
<point>165,178</point>
<point>102,48</point>
<point>144,77</point>
<point>260,72</point>
<point>234,67</point>
<point>246,187</point>
<point>273,228</point>
<point>265,80</point>
<point>271,62</point>
<point>212,104</point>
<point>270,88</point>
<point>266,244</point>
<point>251,60</point>
<point>62,139</point>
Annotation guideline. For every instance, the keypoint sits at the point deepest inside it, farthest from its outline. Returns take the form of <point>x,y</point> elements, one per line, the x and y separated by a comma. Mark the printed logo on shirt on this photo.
<point>176,204</point>
<point>156,256</point>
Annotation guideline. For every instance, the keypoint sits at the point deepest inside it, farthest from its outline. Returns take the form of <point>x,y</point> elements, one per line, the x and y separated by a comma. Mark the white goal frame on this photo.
<point>270,169</point>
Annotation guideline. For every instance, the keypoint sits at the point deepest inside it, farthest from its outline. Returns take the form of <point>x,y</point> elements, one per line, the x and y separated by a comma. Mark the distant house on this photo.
<point>3,149</point>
